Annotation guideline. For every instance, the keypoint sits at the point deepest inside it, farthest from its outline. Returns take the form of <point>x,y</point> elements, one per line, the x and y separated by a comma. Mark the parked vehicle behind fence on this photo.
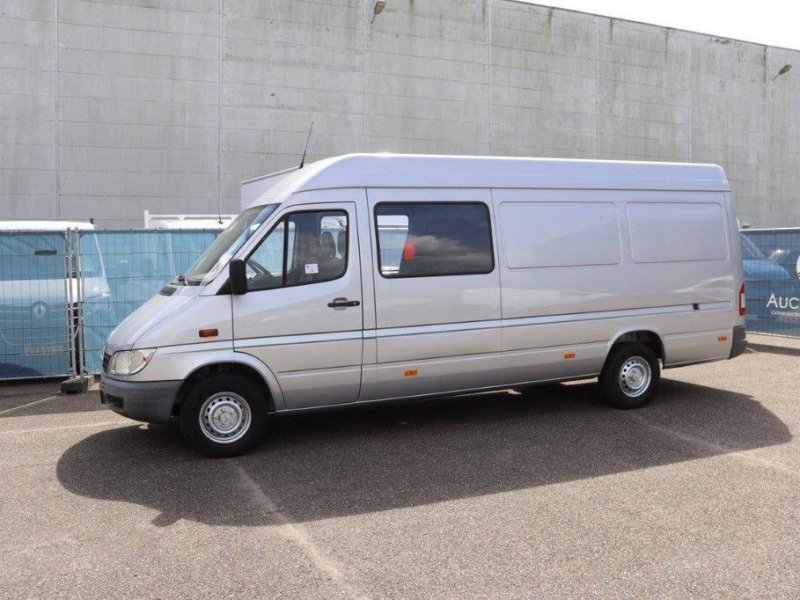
<point>367,278</point>
<point>773,287</point>
<point>39,297</point>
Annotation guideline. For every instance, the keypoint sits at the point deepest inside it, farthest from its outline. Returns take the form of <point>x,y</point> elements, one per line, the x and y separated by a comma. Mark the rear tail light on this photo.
<point>742,305</point>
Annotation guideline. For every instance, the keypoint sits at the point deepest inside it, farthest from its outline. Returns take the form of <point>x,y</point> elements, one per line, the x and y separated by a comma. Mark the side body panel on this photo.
<point>432,334</point>
<point>570,285</point>
<point>314,350</point>
<point>581,299</point>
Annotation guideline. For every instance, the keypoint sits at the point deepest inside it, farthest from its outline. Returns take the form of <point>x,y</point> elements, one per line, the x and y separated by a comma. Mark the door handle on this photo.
<point>343,303</point>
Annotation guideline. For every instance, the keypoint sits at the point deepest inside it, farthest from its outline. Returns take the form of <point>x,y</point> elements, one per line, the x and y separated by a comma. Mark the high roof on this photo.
<point>416,170</point>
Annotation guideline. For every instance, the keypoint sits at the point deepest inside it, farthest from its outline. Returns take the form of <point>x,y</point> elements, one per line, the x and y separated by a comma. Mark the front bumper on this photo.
<point>739,342</point>
<point>150,401</point>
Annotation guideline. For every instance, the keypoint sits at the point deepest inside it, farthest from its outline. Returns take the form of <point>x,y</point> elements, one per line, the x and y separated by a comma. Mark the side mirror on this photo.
<point>237,276</point>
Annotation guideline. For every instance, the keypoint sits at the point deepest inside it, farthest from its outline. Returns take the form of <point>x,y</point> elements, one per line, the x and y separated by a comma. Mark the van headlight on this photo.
<point>130,362</point>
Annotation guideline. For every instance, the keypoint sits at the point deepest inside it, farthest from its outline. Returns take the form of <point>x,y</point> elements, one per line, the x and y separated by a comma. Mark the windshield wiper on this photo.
<point>180,279</point>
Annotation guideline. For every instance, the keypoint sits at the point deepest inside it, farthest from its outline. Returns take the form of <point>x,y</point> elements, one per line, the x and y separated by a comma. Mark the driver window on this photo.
<point>304,247</point>
<point>265,265</point>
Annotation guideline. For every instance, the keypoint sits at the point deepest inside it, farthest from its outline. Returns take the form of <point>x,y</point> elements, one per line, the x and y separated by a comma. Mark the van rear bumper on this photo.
<point>149,401</point>
<point>739,342</point>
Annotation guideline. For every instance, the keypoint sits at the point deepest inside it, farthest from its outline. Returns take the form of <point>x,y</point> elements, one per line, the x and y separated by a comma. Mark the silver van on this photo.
<point>365,278</point>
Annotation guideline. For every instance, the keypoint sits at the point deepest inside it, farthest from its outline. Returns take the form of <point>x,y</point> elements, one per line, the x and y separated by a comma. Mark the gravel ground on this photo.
<point>531,492</point>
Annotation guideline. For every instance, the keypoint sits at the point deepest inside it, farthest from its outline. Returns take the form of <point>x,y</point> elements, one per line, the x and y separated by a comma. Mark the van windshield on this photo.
<point>32,256</point>
<point>214,259</point>
<point>39,256</point>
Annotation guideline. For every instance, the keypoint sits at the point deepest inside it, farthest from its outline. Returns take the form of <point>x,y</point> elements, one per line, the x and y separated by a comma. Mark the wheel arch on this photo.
<point>244,365</point>
<point>639,335</point>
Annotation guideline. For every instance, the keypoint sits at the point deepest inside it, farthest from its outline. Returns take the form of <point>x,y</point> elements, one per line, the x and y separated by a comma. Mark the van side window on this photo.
<point>433,239</point>
<point>304,247</point>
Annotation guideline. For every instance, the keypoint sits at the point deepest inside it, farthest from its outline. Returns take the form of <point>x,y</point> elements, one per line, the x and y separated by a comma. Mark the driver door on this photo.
<point>302,314</point>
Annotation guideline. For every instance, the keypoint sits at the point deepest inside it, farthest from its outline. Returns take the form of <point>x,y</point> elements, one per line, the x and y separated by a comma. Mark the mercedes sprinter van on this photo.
<point>366,278</point>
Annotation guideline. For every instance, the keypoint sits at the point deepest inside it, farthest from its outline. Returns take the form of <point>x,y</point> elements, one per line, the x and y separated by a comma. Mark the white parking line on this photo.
<point>34,403</point>
<point>717,449</point>
<point>294,532</point>
<point>60,427</point>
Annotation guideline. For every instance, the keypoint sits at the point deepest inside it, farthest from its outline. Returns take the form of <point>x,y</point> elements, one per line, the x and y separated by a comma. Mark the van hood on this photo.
<point>155,310</point>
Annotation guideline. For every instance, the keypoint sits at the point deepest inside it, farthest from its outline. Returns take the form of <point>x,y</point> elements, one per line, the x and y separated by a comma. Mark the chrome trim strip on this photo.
<point>544,320</point>
<point>471,325</point>
<point>442,328</point>
<point>310,338</point>
<point>594,316</point>
<point>195,347</point>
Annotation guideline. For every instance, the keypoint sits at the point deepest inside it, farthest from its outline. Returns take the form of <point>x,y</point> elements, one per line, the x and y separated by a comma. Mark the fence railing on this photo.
<point>125,269</point>
<point>771,260</point>
<point>34,312</point>
<point>61,293</point>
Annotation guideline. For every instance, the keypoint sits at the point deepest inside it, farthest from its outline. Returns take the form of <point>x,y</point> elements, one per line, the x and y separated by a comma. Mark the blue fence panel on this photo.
<point>771,260</point>
<point>34,339</point>
<point>130,267</point>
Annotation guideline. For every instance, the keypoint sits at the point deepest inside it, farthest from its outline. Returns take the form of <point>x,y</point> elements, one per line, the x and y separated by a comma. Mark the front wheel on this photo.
<point>223,415</point>
<point>630,376</point>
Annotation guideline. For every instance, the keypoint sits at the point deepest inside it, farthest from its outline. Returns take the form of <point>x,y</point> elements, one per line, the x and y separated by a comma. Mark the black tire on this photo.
<point>236,397</point>
<point>624,390</point>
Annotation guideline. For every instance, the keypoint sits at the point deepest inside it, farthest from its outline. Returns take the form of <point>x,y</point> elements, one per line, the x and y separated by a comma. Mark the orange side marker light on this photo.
<point>723,338</point>
<point>569,356</point>
<point>411,372</point>
<point>204,333</point>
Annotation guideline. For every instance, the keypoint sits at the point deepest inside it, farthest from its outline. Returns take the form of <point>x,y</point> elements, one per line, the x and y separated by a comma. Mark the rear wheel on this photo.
<point>223,415</point>
<point>630,376</point>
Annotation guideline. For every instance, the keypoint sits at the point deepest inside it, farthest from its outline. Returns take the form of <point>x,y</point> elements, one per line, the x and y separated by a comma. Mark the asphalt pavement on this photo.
<point>538,491</point>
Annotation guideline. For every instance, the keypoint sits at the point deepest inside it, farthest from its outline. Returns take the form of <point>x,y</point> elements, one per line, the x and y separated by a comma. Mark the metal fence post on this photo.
<point>68,288</point>
<point>79,304</point>
<point>75,300</point>
<point>78,382</point>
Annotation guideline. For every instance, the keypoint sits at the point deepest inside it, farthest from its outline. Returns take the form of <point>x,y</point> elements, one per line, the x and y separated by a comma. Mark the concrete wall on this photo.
<point>110,107</point>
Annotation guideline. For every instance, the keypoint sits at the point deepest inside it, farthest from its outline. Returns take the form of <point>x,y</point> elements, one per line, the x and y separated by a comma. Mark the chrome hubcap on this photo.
<point>635,376</point>
<point>225,417</point>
